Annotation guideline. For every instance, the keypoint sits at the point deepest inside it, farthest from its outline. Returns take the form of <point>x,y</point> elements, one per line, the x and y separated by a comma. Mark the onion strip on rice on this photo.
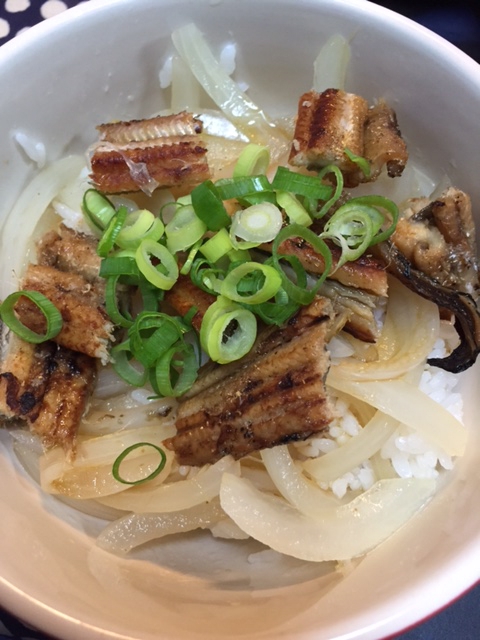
<point>411,327</point>
<point>293,485</point>
<point>363,446</point>
<point>423,414</point>
<point>175,496</point>
<point>341,533</point>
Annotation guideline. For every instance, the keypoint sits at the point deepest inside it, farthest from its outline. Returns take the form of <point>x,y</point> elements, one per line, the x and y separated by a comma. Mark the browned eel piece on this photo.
<point>275,394</point>
<point>165,151</point>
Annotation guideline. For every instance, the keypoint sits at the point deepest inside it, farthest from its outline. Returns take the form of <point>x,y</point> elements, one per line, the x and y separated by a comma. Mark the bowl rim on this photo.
<point>39,613</point>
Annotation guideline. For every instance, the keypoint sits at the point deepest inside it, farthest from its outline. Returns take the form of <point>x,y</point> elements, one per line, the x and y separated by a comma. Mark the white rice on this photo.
<point>409,454</point>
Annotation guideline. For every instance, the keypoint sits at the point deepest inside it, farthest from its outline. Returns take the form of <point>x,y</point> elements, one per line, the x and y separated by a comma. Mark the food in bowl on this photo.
<point>183,239</point>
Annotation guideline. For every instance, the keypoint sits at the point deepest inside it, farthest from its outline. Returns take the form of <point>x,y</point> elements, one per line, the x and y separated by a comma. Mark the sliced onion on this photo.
<point>359,448</point>
<point>239,108</point>
<point>411,327</point>
<point>407,404</point>
<point>29,208</point>
<point>343,533</point>
<point>90,474</point>
<point>330,66</point>
<point>292,484</point>
<point>129,532</point>
<point>174,496</point>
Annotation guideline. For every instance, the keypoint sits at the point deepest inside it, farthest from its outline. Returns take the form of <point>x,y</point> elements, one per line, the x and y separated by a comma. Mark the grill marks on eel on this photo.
<point>275,395</point>
<point>164,151</point>
<point>49,385</point>
<point>334,120</point>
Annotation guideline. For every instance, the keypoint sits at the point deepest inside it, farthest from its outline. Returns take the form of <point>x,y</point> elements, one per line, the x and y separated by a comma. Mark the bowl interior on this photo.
<point>101,62</point>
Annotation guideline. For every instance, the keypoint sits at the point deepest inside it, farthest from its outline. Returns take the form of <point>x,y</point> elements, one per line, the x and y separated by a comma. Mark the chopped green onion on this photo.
<point>242,187</point>
<point>111,233</point>
<point>152,334</point>
<point>148,249</point>
<point>217,246</point>
<point>300,184</point>
<point>52,315</point>
<point>239,255</point>
<point>140,225</point>
<point>119,265</point>
<point>184,229</point>
<point>295,211</point>
<point>278,311</point>
<point>253,161</point>
<point>127,452</point>
<point>255,225</point>
<point>209,207</point>
<point>206,276</point>
<point>228,331</point>
<point>192,254</point>
<point>166,372</point>
<point>362,163</point>
<point>298,292</point>
<point>121,356</point>
<point>357,225</point>
<point>97,208</point>
<point>331,168</point>
<point>111,304</point>
<point>265,288</point>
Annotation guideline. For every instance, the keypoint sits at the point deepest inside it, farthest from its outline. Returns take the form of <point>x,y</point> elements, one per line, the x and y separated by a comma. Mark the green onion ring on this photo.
<point>216,321</point>
<point>126,452</point>
<point>253,160</point>
<point>52,315</point>
<point>187,375</point>
<point>209,207</point>
<point>272,282</point>
<point>121,355</point>
<point>149,248</point>
<point>297,293</point>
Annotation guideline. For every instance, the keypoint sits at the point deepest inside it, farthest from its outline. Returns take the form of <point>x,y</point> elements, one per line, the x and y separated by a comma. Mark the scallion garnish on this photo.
<point>209,206</point>
<point>255,225</point>
<point>228,331</point>
<point>298,291</point>
<point>97,208</point>
<point>253,161</point>
<point>127,452</point>
<point>217,246</point>
<point>139,225</point>
<point>300,184</point>
<point>267,281</point>
<point>165,274</point>
<point>110,235</point>
<point>184,229</point>
<point>362,163</point>
<point>53,317</point>
<point>174,377</point>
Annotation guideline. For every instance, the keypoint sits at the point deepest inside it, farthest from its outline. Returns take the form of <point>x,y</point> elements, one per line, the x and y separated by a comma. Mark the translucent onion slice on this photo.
<point>132,530</point>
<point>90,474</point>
<point>174,496</point>
<point>292,484</point>
<point>238,107</point>
<point>404,402</point>
<point>411,327</point>
<point>16,247</point>
<point>330,66</point>
<point>342,533</point>
<point>361,447</point>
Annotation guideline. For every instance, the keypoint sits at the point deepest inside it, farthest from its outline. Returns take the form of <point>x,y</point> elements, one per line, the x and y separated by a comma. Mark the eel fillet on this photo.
<point>275,395</point>
<point>142,155</point>
<point>328,123</point>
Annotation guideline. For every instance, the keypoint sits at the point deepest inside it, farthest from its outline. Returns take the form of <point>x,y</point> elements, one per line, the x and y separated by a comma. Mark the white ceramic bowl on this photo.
<point>101,61</point>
